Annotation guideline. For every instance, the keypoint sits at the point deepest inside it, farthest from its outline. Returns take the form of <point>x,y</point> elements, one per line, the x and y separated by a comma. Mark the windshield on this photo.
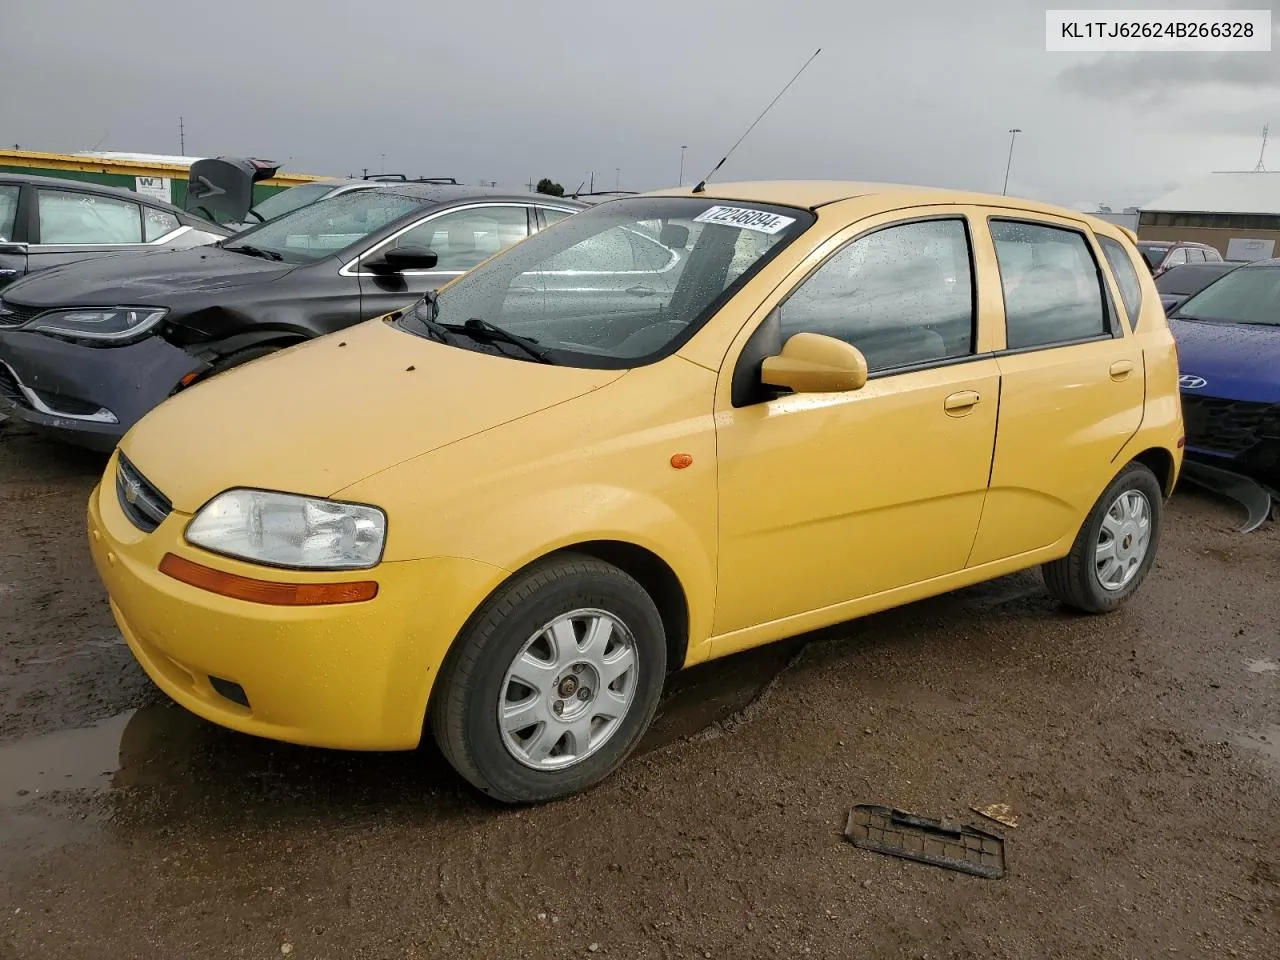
<point>1246,295</point>
<point>322,228</point>
<point>620,285</point>
<point>1154,253</point>
<point>1186,280</point>
<point>291,198</point>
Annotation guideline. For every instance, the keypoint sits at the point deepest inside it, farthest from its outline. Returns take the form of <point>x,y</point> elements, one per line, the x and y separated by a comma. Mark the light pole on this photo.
<point>683,148</point>
<point>617,179</point>
<point>1013,135</point>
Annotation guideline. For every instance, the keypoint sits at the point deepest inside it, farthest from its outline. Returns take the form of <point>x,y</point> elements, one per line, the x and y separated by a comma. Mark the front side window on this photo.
<point>321,229</point>
<point>1051,286</point>
<point>1194,255</point>
<point>462,239</point>
<point>68,217</point>
<point>1246,295</point>
<point>8,210</point>
<point>902,295</point>
<point>621,284</point>
<point>158,223</point>
<point>1178,256</point>
<point>1126,277</point>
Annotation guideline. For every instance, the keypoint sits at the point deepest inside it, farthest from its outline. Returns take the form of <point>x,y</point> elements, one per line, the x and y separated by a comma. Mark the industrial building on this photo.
<point>1236,212</point>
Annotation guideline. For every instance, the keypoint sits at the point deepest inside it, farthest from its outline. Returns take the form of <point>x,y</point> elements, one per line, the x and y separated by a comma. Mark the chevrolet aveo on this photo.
<point>667,429</point>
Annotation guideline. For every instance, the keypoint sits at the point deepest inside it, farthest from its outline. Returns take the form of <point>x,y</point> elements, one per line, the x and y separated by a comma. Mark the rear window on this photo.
<point>1153,253</point>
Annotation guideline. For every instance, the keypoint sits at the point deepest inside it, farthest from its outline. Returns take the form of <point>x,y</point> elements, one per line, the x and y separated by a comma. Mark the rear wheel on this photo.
<point>553,682</point>
<point>1116,545</point>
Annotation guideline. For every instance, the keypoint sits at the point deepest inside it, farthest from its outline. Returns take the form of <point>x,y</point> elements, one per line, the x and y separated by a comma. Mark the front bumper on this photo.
<point>1239,434</point>
<point>89,396</point>
<point>352,676</point>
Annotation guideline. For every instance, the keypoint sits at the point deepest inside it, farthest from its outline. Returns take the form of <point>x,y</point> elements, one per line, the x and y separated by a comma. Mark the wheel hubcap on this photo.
<point>568,689</point>
<point>1123,540</point>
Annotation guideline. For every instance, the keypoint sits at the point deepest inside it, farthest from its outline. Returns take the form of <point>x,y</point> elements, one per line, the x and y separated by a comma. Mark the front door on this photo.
<point>827,498</point>
<point>460,238</point>
<point>1072,386</point>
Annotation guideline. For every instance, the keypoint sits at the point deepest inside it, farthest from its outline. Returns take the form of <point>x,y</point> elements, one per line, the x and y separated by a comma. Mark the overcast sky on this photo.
<point>922,91</point>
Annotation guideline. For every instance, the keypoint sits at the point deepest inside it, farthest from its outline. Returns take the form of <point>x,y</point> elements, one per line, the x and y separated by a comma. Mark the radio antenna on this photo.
<point>702,184</point>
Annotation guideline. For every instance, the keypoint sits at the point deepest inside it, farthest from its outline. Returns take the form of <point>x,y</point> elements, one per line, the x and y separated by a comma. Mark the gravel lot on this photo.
<point>1140,752</point>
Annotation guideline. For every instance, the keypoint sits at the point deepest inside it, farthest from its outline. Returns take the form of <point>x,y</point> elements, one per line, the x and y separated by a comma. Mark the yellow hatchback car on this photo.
<point>664,430</point>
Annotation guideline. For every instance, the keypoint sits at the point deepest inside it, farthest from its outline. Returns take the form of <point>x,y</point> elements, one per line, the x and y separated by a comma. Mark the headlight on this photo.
<point>285,530</point>
<point>109,325</point>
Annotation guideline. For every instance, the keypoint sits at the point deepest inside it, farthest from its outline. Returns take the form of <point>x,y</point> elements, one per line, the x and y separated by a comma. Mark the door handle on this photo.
<point>964,400</point>
<point>1121,369</point>
<point>641,291</point>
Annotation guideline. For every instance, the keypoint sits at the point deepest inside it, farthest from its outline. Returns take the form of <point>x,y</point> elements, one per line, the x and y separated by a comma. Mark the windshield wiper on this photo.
<point>476,325</point>
<point>254,251</point>
<point>437,331</point>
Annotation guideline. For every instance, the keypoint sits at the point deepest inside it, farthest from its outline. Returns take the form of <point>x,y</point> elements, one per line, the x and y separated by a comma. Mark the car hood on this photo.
<point>1236,361</point>
<point>153,277</point>
<point>318,417</point>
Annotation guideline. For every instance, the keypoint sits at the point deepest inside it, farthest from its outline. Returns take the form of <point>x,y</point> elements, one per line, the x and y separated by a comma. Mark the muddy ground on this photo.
<point>1140,753</point>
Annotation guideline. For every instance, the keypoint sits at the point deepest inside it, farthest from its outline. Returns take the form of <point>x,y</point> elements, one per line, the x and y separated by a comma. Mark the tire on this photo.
<point>1077,579</point>
<point>517,764</point>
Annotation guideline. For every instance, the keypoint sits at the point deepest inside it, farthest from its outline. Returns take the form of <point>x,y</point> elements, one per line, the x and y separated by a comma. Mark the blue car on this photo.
<point>1228,338</point>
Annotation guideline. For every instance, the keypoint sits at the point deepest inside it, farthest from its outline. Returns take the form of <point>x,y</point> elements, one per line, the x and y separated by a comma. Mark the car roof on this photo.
<point>811,194</point>
<point>85,186</point>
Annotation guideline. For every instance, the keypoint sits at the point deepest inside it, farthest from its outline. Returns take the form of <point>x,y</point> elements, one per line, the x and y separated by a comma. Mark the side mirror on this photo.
<point>813,363</point>
<point>15,249</point>
<point>401,258</point>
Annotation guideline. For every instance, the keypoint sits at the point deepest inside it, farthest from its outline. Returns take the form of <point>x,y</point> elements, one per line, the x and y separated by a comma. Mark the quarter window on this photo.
<point>1050,282</point>
<point>463,239</point>
<point>550,216</point>
<point>1126,277</point>
<point>902,295</point>
<point>158,223</point>
<point>8,210</point>
<point>67,217</point>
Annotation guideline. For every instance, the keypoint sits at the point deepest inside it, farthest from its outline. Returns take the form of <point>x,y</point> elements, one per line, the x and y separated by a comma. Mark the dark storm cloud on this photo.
<point>512,91</point>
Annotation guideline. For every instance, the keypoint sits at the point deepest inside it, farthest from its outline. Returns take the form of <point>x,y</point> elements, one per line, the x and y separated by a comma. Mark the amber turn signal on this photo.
<point>682,460</point>
<point>266,591</point>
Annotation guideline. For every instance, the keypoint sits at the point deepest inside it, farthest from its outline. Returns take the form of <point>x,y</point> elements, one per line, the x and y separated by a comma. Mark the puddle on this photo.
<point>1266,741</point>
<point>1262,666</point>
<point>83,759</point>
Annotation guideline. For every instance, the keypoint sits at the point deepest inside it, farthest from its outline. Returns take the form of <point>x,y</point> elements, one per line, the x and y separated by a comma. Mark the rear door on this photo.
<point>1071,383</point>
<point>13,257</point>
<point>461,237</point>
<point>73,225</point>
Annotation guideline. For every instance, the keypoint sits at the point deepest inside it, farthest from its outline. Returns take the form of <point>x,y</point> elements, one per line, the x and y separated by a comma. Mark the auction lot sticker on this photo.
<point>1154,31</point>
<point>745,218</point>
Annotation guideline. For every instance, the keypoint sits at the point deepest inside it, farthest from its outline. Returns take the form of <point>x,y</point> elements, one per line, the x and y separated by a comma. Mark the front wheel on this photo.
<point>1116,545</point>
<point>552,683</point>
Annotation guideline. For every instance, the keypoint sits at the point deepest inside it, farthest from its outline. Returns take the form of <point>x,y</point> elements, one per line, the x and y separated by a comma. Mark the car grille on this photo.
<point>1229,426</point>
<point>144,505</point>
<point>13,314</point>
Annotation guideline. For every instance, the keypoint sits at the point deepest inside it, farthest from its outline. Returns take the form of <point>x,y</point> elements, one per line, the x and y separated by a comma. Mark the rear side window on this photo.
<point>1126,277</point>
<point>158,223</point>
<point>1050,282</point>
<point>67,217</point>
<point>8,210</point>
<point>1195,255</point>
